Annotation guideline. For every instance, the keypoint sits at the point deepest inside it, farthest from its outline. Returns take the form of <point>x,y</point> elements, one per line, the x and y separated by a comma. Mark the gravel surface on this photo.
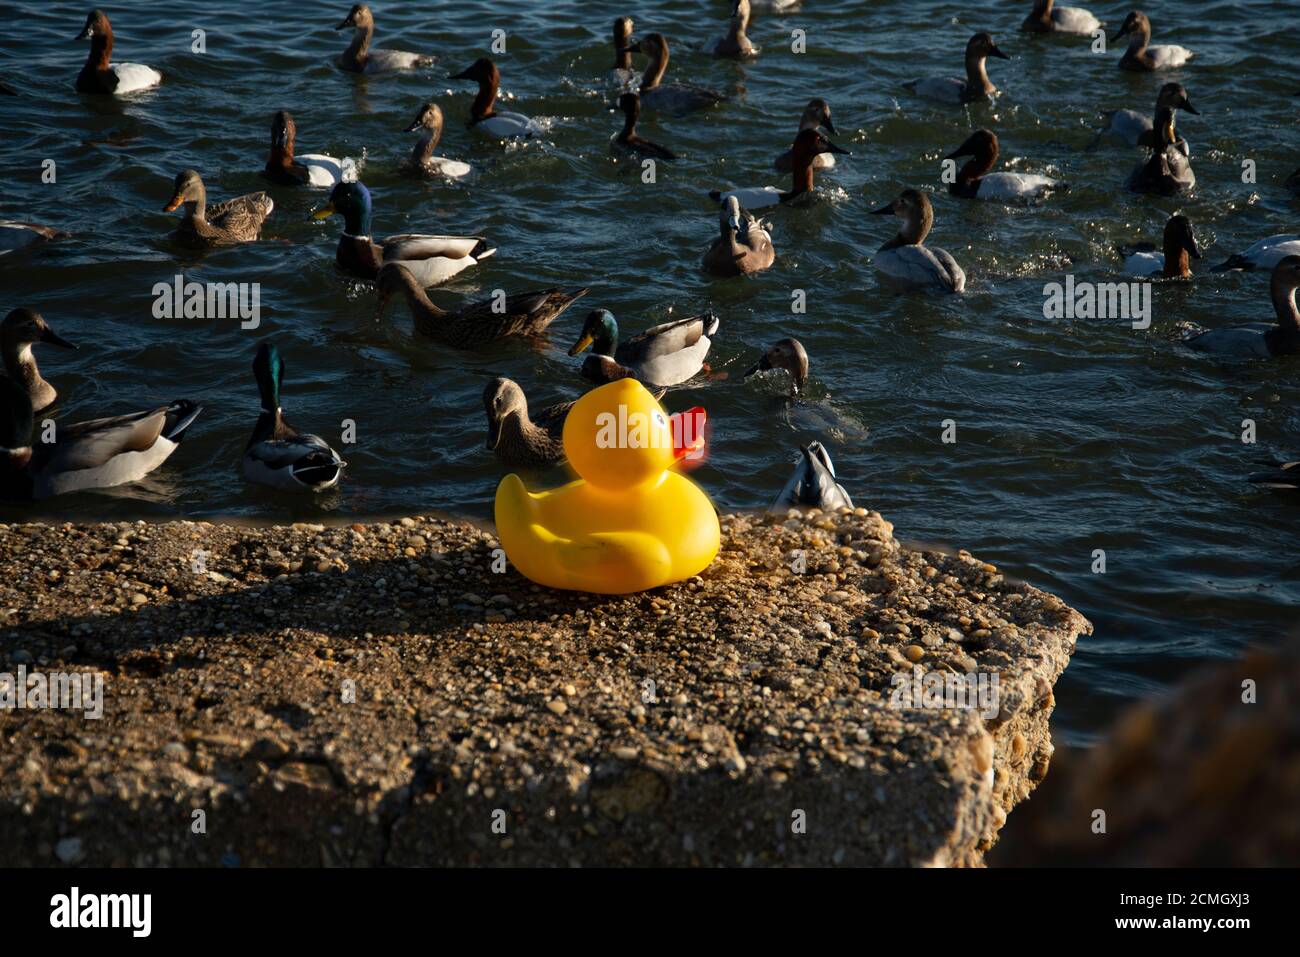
<point>379,694</point>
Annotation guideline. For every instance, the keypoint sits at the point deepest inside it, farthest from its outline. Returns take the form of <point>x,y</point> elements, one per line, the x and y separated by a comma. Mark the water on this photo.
<point>1072,435</point>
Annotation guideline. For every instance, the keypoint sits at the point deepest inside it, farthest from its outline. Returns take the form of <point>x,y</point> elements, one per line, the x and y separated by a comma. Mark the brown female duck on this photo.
<point>20,331</point>
<point>237,220</point>
<point>743,246</point>
<point>521,440</point>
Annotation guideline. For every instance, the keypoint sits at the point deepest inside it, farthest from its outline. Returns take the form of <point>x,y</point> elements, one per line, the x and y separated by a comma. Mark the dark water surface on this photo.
<point>1072,435</point>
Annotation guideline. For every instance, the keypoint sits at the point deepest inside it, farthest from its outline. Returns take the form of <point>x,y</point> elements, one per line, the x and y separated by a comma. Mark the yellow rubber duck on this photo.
<point>628,523</point>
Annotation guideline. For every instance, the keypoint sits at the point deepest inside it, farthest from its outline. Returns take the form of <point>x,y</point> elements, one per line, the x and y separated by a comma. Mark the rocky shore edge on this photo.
<point>393,693</point>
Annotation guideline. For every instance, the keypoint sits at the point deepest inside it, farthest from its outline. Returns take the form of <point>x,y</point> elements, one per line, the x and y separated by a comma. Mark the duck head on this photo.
<point>24,328</point>
<point>1174,96</point>
<point>429,118</point>
<point>982,145</point>
<point>653,45</point>
<point>97,28</point>
<point>1136,25</point>
<point>1180,238</point>
<point>187,189</point>
<point>351,200</point>
<point>788,354</point>
<point>600,331</point>
<point>811,142</point>
<point>358,17</point>
<point>917,215</point>
<point>817,113</point>
<point>268,370</point>
<point>981,45</point>
<point>622,37</point>
<point>502,398</point>
<point>617,435</point>
<point>481,71</point>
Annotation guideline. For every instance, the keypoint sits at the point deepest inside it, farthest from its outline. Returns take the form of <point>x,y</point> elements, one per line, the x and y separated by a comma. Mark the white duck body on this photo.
<point>942,89</point>
<point>1246,340</point>
<point>435,259</point>
<point>134,77</point>
<point>921,267</point>
<point>1074,20</point>
<point>449,168</point>
<point>505,126</point>
<point>1145,263</point>
<point>1008,186</point>
<point>1266,253</point>
<point>755,197</point>
<point>324,171</point>
<point>1168,56</point>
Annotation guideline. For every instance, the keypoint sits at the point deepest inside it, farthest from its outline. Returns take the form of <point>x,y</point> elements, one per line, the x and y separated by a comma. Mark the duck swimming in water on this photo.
<point>1046,17</point>
<point>1140,56</point>
<point>813,484</point>
<point>521,440</point>
<point>663,355</point>
<point>1262,339</point>
<point>16,236</point>
<point>309,169</point>
<point>523,314</point>
<point>743,246</point>
<point>629,139</point>
<point>1144,259</point>
<point>20,332</point>
<point>623,74</point>
<point>100,453</point>
<point>808,145</point>
<point>672,97</point>
<point>975,181</point>
<point>428,122</point>
<point>1265,254</point>
<point>99,75</point>
<point>734,42</point>
<point>277,454</point>
<point>1136,129</point>
<point>483,116</point>
<point>788,354</point>
<point>430,259</point>
<point>1167,172</point>
<point>976,86</point>
<point>359,58</point>
<point>237,220</point>
<point>904,261</point>
<point>816,114</point>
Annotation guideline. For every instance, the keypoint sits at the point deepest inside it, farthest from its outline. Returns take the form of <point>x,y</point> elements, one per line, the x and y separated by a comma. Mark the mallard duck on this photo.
<point>279,455</point>
<point>816,114</point>
<point>429,124</point>
<point>309,169</point>
<point>1281,475</point>
<point>483,115</point>
<point>673,97</point>
<point>904,261</point>
<point>808,145</point>
<point>16,236</point>
<point>813,484</point>
<point>19,332</point>
<point>521,441</point>
<point>237,220</point>
<point>359,58</point>
<point>629,139</point>
<point>523,314</point>
<point>430,259</point>
<point>975,181</point>
<point>743,246</point>
<point>1143,259</point>
<point>1046,18</point>
<point>663,355</point>
<point>788,354</point>
<point>97,454</point>
<point>101,76</point>
<point>1142,57</point>
<point>1262,339</point>
<point>1167,172</point>
<point>735,42</point>
<point>976,86</point>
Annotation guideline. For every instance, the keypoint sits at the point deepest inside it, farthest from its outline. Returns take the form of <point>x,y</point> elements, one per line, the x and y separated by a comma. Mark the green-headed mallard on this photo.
<point>666,354</point>
<point>17,236</point>
<point>788,354</point>
<point>743,245</point>
<point>430,259</point>
<point>237,220</point>
<point>279,455</point>
<point>19,332</point>
<point>308,169</point>
<point>97,454</point>
<point>429,124</point>
<point>521,440</point>
<point>523,314</point>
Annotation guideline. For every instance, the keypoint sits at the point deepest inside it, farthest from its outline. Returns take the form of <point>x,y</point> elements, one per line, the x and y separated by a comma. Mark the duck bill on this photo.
<point>1122,30</point>
<point>762,365</point>
<point>994,51</point>
<point>688,434</point>
<point>87,32</point>
<point>1192,248</point>
<point>412,128</point>
<point>885,210</point>
<point>54,339</point>
<point>1190,109</point>
<point>347,22</point>
<point>462,75</point>
<point>631,48</point>
<point>494,434</point>
<point>174,203</point>
<point>581,345</point>
<point>325,212</point>
<point>837,149</point>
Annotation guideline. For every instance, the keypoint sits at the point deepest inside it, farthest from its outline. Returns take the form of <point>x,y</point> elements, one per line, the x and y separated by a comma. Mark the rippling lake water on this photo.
<point>1072,435</point>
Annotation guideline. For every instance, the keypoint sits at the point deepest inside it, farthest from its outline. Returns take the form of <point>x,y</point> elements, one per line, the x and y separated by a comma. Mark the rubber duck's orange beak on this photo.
<point>688,433</point>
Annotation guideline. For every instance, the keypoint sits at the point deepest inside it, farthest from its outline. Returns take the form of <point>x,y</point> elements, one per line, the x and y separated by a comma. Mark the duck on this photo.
<point>1167,172</point>
<point>359,58</point>
<point>1144,259</point>
<point>1140,56</point>
<point>428,122</point>
<point>813,484</point>
<point>904,261</point>
<point>976,86</point>
<point>277,454</point>
<point>523,314</point>
<point>429,259</point>
<point>628,138</point>
<point>1048,18</point>
<point>816,114</point>
<point>483,116</point>
<point>663,355</point>
<point>1136,129</point>
<point>309,169</point>
<point>788,354</point>
<point>974,181</point>
<point>1265,254</point>
<point>623,74</point>
<point>1281,475</point>
<point>99,453</point>
<point>808,145</point>
<point>17,236</point>
<point>743,247</point>
<point>630,521</point>
<point>1262,339</point>
<point>237,220</point>
<point>671,97</point>
<point>734,43</point>
<point>20,331</point>
<point>101,76</point>
<point>518,439</point>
